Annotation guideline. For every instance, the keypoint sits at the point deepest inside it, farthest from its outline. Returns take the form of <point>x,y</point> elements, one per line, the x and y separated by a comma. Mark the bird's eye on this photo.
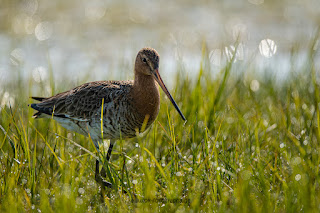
<point>144,60</point>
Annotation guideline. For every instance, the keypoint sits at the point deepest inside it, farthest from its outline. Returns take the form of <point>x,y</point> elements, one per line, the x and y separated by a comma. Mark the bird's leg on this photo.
<point>110,149</point>
<point>100,179</point>
<point>102,174</point>
<point>99,176</point>
<point>103,171</point>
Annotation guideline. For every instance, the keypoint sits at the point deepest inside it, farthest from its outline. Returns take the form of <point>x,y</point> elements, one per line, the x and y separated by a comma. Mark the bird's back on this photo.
<point>79,109</point>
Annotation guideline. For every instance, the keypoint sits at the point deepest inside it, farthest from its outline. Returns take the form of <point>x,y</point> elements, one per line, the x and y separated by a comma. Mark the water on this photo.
<point>98,40</point>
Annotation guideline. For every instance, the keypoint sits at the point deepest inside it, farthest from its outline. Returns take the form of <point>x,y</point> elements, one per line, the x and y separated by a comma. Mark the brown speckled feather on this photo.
<point>83,101</point>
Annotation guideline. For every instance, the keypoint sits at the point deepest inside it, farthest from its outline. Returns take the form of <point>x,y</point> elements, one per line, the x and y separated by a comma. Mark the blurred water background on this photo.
<point>98,40</point>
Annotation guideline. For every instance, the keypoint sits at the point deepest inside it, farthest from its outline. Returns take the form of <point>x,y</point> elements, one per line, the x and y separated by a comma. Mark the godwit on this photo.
<point>127,105</point>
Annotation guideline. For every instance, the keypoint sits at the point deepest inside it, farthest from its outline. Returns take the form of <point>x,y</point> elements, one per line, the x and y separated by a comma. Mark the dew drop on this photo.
<point>79,201</point>
<point>178,174</point>
<point>81,190</point>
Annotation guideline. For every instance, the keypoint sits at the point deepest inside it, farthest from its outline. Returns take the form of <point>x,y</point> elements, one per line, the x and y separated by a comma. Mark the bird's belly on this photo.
<point>73,125</point>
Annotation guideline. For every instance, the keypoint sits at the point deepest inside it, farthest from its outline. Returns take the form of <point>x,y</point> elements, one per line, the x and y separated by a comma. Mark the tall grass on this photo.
<point>242,149</point>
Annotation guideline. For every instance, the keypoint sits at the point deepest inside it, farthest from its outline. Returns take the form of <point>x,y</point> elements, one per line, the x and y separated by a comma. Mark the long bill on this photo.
<point>164,88</point>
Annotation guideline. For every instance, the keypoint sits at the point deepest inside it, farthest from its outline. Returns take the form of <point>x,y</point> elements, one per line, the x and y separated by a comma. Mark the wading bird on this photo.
<point>110,109</point>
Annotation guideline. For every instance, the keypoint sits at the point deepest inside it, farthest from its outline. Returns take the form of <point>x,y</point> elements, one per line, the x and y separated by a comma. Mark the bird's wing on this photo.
<point>83,101</point>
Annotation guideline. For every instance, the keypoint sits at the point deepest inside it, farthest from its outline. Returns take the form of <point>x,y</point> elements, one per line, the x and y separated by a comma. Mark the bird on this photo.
<point>110,109</point>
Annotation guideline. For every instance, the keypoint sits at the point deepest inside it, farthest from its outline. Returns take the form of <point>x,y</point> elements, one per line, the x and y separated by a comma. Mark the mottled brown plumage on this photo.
<point>126,104</point>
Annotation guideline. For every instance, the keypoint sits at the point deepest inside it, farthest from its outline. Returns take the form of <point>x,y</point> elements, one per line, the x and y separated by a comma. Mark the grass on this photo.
<point>242,150</point>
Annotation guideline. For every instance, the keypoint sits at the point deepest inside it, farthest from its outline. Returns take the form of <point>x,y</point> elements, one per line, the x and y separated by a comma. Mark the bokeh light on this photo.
<point>43,31</point>
<point>267,48</point>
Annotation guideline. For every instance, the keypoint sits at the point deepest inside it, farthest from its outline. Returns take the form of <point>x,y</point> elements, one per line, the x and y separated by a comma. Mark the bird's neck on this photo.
<point>146,97</point>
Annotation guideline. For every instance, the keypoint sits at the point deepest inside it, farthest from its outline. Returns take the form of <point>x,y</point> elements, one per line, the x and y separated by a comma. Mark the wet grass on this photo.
<point>243,149</point>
